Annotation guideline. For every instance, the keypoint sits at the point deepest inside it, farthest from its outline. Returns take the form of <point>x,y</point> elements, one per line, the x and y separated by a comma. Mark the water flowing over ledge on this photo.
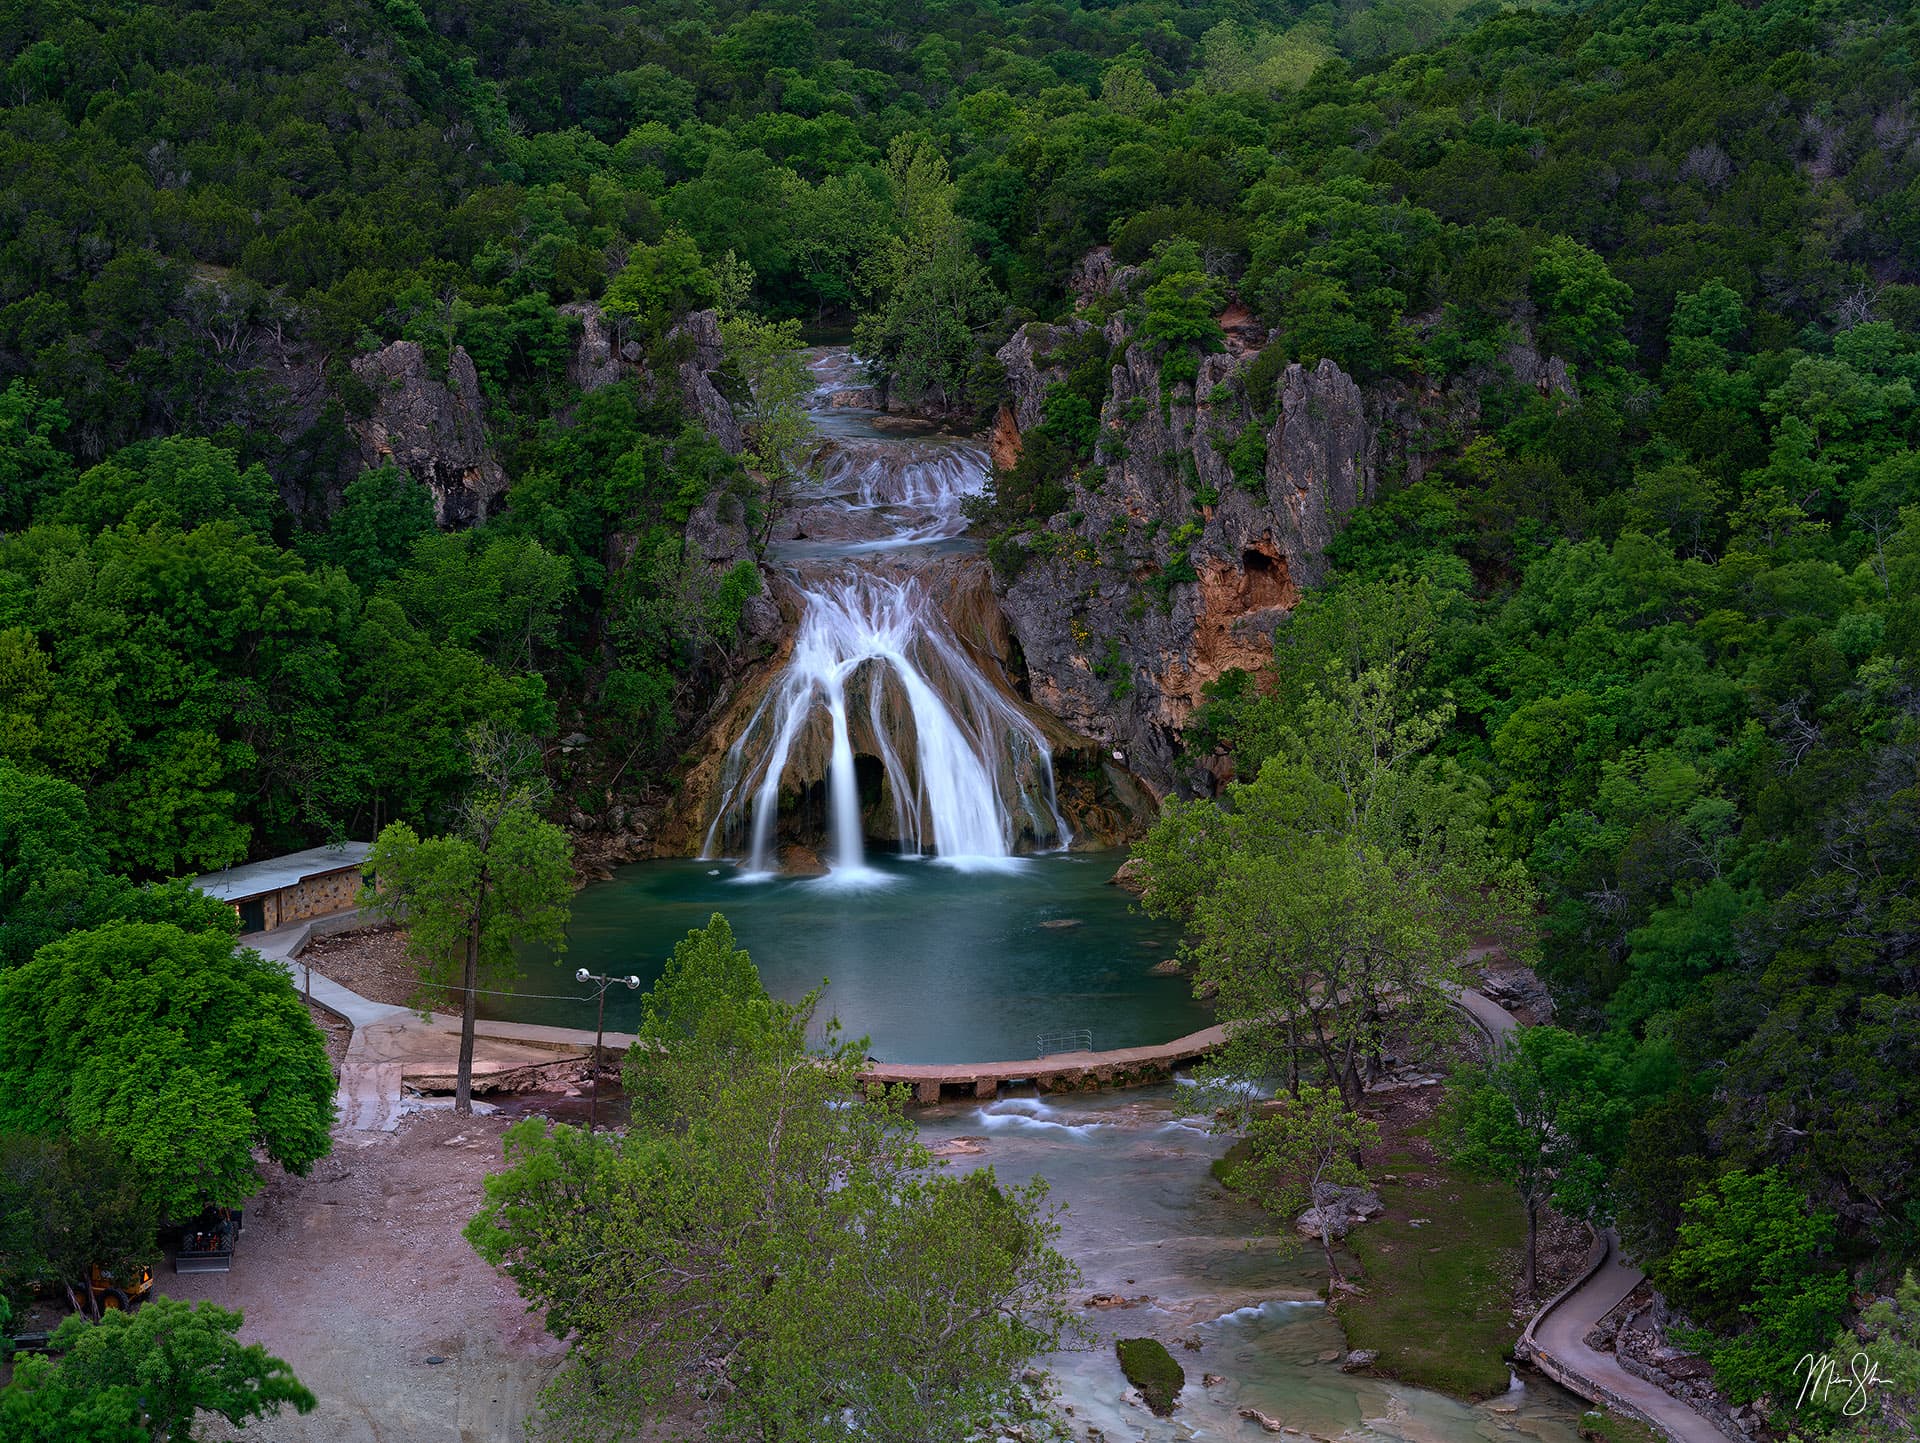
<point>877,676</point>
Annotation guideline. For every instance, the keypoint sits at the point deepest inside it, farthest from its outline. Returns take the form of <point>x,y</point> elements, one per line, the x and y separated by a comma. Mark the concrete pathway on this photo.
<point>1556,1341</point>
<point>392,1045</point>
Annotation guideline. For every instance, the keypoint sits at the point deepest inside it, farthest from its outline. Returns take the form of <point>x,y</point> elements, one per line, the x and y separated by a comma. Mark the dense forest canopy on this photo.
<point>1672,606</point>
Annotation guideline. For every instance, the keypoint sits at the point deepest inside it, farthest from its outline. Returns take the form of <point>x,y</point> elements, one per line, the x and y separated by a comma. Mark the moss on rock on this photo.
<point>1151,1369</point>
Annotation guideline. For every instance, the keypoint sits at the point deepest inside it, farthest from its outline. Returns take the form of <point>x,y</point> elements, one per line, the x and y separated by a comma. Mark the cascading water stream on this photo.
<point>967,772</point>
<point>877,674</point>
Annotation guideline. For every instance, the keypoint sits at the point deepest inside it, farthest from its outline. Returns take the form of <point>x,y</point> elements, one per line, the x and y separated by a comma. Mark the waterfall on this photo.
<point>981,773</point>
<point>877,675</point>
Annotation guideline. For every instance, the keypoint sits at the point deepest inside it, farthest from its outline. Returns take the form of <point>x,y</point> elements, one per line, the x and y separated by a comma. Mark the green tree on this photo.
<point>935,293</point>
<point>768,358</point>
<point>1317,958</point>
<point>32,464</point>
<point>67,1206</point>
<point>383,513</point>
<point>661,283</point>
<point>180,1051</point>
<point>1300,1153</point>
<point>770,1238</point>
<point>501,879</point>
<point>144,1377</point>
<point>1546,1114</point>
<point>1753,1266</point>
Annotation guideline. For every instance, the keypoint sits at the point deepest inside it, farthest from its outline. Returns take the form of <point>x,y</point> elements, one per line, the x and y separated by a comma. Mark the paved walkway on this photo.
<point>394,1045</point>
<point>1556,1341</point>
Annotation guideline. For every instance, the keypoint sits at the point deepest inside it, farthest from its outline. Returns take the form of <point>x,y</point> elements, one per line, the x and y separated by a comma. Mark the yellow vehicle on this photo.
<point>105,1293</point>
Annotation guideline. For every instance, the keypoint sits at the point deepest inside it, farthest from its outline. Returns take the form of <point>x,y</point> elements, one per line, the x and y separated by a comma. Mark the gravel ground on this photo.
<point>337,1033</point>
<point>373,962</point>
<point>357,1275</point>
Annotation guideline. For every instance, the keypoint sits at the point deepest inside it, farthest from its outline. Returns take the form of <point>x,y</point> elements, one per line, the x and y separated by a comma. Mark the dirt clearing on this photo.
<point>357,1275</point>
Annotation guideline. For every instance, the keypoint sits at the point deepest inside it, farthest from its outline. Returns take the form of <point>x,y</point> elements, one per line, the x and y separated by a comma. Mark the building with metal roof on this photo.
<point>315,883</point>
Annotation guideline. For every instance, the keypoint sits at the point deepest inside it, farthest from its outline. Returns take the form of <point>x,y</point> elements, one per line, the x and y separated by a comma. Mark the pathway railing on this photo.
<point>1072,1039</point>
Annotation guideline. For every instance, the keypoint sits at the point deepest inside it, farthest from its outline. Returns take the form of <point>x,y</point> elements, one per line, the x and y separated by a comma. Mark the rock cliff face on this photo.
<point>600,358</point>
<point>430,427</point>
<point>1170,564</point>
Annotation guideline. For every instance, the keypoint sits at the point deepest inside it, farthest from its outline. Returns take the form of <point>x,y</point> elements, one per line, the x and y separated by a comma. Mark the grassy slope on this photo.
<point>1438,1301</point>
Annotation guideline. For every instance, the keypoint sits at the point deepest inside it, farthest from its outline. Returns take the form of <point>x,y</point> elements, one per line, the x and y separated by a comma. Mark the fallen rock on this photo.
<point>1265,1420</point>
<point>1061,924</point>
<point>1338,1210</point>
<point>1114,1300</point>
<point>959,1147</point>
<point>1130,875</point>
<point>1211,1380</point>
<point>1359,1360</point>
<point>1169,967</point>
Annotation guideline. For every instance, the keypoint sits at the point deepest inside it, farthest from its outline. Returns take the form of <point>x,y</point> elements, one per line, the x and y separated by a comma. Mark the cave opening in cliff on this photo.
<point>1267,582</point>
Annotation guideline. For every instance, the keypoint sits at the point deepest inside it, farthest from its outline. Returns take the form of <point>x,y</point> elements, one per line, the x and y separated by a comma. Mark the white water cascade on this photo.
<point>880,700</point>
<point>966,773</point>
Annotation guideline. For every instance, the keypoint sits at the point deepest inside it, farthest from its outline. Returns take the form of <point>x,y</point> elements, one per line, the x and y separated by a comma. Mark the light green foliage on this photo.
<point>1582,307</point>
<point>172,1046</point>
<point>662,282</point>
<point>1308,1142</point>
<point>467,899</point>
<point>767,356</point>
<point>937,295</point>
<point>1890,1329</point>
<point>142,1378</point>
<point>174,483</point>
<point>1182,299</point>
<point>1548,1114</point>
<point>1329,899</point>
<point>768,1243</point>
<point>1753,1257</point>
<point>501,598</point>
<point>383,514</point>
<point>174,669</point>
<point>32,464</point>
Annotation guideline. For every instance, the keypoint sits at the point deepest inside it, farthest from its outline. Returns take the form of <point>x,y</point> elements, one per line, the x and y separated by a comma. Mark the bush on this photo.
<point>1151,1369</point>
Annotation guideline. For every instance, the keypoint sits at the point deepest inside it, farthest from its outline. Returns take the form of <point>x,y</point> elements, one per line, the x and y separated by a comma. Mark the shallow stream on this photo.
<point>1144,1219</point>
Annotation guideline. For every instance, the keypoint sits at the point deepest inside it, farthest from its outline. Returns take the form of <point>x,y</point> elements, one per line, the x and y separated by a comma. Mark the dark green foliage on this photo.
<point>68,1205</point>
<point>1153,1370</point>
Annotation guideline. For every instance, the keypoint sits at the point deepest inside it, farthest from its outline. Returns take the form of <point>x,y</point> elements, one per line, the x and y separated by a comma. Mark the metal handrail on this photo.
<point>1072,1039</point>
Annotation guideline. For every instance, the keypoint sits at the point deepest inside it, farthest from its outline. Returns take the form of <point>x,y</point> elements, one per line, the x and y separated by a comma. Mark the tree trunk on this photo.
<point>1326,1246</point>
<point>1533,1229</point>
<point>463,1076</point>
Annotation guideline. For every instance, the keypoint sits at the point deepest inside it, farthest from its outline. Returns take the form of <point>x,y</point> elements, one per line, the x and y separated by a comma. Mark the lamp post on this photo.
<point>599,1031</point>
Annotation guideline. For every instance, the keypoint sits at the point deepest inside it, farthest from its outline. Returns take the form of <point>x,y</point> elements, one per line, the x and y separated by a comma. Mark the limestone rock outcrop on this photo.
<point>601,357</point>
<point>429,425</point>
<point>1207,510</point>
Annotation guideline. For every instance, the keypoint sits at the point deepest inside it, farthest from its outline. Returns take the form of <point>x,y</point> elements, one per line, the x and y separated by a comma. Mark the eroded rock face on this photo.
<point>1112,648</point>
<point>695,342</point>
<point>601,358</point>
<point>1172,564</point>
<point>429,425</point>
<point>596,360</point>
